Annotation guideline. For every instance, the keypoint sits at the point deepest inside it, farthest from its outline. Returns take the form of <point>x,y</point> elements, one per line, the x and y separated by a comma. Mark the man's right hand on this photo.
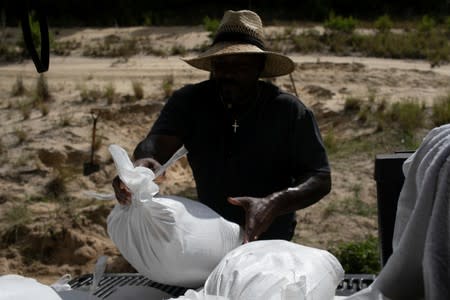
<point>123,194</point>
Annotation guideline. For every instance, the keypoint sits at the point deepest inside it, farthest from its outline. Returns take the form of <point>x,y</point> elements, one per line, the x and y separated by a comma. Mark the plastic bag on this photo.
<point>23,288</point>
<point>171,240</point>
<point>275,270</point>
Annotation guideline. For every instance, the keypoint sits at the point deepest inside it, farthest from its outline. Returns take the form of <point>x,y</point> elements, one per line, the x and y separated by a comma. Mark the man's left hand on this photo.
<point>259,215</point>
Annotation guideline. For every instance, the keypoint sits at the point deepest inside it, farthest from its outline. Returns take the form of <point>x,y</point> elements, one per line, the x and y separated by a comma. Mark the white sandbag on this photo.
<point>273,270</point>
<point>23,288</point>
<point>172,240</point>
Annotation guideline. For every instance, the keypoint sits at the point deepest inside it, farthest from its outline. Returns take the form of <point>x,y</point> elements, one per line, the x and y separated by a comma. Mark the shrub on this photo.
<point>18,214</point>
<point>127,49</point>
<point>65,120</point>
<point>211,25</point>
<point>426,24</point>
<point>360,257</point>
<point>167,85</point>
<point>138,89</point>
<point>89,95</point>
<point>56,188</point>
<point>352,104</point>
<point>339,23</point>
<point>447,25</point>
<point>109,93</point>
<point>42,92</point>
<point>409,115</point>
<point>25,109</point>
<point>383,23</point>
<point>18,88</point>
<point>21,135</point>
<point>147,16</point>
<point>308,42</point>
<point>330,142</point>
<point>43,108</point>
<point>178,50</point>
<point>441,110</point>
<point>65,48</point>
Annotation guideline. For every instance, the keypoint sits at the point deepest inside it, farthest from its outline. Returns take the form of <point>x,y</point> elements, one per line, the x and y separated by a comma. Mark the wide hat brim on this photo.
<point>276,64</point>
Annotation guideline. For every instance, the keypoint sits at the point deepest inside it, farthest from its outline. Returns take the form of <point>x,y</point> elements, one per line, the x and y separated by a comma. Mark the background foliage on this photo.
<point>187,12</point>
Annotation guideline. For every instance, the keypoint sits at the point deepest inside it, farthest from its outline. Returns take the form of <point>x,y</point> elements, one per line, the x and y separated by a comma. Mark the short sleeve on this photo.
<point>174,117</point>
<point>309,154</point>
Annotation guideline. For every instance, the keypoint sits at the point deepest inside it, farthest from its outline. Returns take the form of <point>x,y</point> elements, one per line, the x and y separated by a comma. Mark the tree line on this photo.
<point>188,12</point>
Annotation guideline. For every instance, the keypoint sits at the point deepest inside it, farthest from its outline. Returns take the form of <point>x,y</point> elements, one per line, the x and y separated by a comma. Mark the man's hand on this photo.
<point>259,215</point>
<point>123,194</point>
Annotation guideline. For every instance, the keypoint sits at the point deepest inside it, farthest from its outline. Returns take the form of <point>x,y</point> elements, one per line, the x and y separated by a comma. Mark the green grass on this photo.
<point>42,92</point>
<point>178,50</point>
<point>350,205</point>
<point>359,257</point>
<point>109,93</point>
<point>441,110</point>
<point>308,42</point>
<point>113,46</point>
<point>167,85</point>
<point>340,24</point>
<point>355,205</point>
<point>65,48</point>
<point>398,126</point>
<point>383,23</point>
<point>330,141</point>
<point>409,115</point>
<point>18,214</point>
<point>16,218</point>
<point>425,40</point>
<point>89,95</point>
<point>211,25</point>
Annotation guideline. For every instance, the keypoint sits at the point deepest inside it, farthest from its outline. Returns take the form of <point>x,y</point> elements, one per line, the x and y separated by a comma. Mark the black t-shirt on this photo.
<point>277,142</point>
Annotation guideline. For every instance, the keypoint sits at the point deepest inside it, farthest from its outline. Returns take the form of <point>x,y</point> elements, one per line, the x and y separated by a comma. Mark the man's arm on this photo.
<point>158,147</point>
<point>261,212</point>
<point>303,195</point>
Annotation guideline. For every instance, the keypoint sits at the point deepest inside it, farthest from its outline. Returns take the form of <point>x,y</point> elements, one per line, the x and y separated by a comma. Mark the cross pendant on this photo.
<point>235,126</point>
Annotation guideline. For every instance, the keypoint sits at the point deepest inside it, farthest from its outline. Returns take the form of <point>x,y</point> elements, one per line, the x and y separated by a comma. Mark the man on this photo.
<point>255,151</point>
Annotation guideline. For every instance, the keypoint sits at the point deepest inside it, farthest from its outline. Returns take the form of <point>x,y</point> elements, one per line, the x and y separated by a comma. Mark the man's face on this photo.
<point>236,75</point>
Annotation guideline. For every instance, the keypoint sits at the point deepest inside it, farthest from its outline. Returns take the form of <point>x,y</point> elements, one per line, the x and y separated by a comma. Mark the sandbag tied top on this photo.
<point>169,239</point>
<point>138,179</point>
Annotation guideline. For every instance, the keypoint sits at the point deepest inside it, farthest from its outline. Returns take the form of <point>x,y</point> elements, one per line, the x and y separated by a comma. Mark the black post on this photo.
<point>389,177</point>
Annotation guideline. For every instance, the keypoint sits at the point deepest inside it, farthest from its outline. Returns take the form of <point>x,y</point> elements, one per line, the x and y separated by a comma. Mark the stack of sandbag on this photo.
<point>171,240</point>
<point>272,270</point>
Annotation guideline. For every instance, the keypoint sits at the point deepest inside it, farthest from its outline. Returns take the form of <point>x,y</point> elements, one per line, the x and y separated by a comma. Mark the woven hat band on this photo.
<point>238,37</point>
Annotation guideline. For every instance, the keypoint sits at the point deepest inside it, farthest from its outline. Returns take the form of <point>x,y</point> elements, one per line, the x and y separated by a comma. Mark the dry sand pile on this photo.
<point>43,150</point>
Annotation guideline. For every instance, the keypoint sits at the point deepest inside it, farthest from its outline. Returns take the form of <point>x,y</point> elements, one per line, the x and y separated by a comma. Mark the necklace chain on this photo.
<point>229,106</point>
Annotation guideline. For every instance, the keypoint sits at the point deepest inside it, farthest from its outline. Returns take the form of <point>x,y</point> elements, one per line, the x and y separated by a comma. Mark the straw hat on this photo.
<point>242,32</point>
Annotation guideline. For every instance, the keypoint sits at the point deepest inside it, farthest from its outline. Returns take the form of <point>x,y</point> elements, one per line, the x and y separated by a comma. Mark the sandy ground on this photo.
<point>44,152</point>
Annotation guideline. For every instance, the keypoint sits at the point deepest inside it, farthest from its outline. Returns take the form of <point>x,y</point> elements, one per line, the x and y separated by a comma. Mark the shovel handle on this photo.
<point>94,126</point>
